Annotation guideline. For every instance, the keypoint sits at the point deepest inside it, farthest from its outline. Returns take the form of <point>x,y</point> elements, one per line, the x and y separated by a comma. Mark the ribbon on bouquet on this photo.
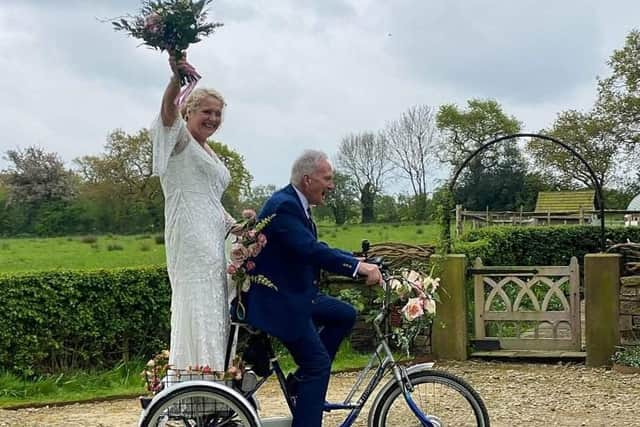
<point>188,79</point>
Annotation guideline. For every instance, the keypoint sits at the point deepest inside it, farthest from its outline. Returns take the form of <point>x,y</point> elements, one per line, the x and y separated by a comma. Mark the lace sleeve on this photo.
<point>167,140</point>
<point>229,221</point>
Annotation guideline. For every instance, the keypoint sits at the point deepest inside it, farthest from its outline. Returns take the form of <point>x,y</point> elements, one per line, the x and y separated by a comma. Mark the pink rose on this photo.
<point>232,269</point>
<point>262,240</point>
<point>249,214</point>
<point>250,265</point>
<point>413,309</point>
<point>251,234</point>
<point>153,23</point>
<point>238,252</point>
<point>254,249</point>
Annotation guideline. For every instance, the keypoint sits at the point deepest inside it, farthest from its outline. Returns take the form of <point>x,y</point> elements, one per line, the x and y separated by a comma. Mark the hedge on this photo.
<point>58,320</point>
<point>551,245</point>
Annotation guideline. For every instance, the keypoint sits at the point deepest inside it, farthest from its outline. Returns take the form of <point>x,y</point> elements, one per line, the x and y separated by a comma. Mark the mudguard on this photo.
<point>213,385</point>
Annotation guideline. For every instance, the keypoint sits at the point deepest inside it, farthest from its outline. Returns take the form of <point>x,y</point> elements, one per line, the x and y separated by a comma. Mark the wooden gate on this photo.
<point>528,308</point>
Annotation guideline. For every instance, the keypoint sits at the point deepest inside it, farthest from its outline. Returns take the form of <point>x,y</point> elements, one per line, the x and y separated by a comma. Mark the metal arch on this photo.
<point>594,178</point>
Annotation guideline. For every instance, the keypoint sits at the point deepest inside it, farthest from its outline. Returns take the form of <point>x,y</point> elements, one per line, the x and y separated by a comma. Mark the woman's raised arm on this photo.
<point>169,110</point>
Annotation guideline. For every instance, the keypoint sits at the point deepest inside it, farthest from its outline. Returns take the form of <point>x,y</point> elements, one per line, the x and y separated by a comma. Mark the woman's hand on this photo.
<point>236,229</point>
<point>178,66</point>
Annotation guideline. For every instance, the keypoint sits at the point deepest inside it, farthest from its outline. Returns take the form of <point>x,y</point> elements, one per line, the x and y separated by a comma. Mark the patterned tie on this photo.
<point>313,224</point>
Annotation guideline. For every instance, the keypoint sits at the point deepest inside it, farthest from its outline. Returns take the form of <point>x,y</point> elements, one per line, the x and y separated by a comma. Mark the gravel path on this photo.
<point>515,394</point>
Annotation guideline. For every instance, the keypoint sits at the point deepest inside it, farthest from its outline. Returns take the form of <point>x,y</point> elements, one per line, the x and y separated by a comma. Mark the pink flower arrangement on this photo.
<point>418,293</point>
<point>171,25</point>
<point>247,245</point>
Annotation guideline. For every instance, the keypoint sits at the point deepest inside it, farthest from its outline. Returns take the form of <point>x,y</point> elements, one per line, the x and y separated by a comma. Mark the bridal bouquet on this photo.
<point>418,293</point>
<point>248,244</point>
<point>171,25</point>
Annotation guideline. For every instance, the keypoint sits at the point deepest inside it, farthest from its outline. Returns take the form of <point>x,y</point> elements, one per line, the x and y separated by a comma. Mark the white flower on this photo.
<point>414,278</point>
<point>395,284</point>
<point>429,306</point>
<point>432,283</point>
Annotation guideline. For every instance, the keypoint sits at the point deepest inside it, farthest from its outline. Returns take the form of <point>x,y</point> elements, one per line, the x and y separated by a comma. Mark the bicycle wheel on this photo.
<point>199,406</point>
<point>444,399</point>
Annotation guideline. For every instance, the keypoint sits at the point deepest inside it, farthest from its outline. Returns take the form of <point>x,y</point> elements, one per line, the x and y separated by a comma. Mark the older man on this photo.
<point>309,324</point>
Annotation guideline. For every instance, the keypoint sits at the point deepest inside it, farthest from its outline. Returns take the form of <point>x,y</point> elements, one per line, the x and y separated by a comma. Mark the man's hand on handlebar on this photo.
<point>371,272</point>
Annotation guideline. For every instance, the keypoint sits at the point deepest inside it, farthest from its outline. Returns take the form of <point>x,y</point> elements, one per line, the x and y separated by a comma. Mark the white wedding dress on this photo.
<point>195,227</point>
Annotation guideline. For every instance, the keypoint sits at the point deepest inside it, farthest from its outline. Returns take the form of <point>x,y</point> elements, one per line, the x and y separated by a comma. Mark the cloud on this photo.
<point>516,51</point>
<point>300,73</point>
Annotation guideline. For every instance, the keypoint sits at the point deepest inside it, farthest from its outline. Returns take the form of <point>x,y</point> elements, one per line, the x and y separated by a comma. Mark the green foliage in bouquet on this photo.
<point>170,25</point>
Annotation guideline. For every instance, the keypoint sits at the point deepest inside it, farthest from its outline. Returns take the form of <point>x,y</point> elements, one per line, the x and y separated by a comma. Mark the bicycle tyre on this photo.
<point>178,406</point>
<point>458,394</point>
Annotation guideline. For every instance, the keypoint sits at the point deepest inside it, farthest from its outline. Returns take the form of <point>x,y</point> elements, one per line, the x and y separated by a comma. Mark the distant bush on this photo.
<point>89,239</point>
<point>145,247</point>
<point>114,247</point>
<point>419,231</point>
<point>159,239</point>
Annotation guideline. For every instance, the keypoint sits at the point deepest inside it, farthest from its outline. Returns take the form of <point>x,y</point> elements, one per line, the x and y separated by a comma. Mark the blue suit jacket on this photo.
<point>292,260</point>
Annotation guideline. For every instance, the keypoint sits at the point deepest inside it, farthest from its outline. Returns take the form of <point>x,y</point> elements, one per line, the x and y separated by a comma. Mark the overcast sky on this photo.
<point>301,73</point>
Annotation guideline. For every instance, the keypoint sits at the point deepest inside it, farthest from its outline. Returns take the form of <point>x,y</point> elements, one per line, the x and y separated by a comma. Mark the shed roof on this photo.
<point>564,201</point>
<point>634,205</point>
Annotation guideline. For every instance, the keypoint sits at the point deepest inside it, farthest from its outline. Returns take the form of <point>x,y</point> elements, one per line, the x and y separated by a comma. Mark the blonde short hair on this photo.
<point>196,97</point>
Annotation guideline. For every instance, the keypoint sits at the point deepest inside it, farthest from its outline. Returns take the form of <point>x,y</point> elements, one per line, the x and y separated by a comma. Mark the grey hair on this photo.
<point>196,97</point>
<point>306,164</point>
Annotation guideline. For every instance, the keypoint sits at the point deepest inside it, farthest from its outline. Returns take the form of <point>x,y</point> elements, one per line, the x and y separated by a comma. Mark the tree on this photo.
<point>240,184</point>
<point>119,189</point>
<point>257,196</point>
<point>493,177</point>
<point>39,187</point>
<point>618,99</point>
<point>412,140</point>
<point>506,187</point>
<point>342,200</point>
<point>591,137</point>
<point>387,208</point>
<point>365,158</point>
<point>464,131</point>
<point>37,176</point>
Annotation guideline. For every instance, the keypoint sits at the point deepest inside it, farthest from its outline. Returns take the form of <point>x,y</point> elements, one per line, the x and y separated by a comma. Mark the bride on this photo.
<point>193,179</point>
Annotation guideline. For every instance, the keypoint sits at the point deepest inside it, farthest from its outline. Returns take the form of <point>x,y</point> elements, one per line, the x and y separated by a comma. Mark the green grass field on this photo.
<point>109,251</point>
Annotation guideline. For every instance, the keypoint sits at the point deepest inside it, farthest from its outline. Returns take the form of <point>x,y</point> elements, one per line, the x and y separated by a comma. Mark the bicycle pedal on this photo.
<point>249,381</point>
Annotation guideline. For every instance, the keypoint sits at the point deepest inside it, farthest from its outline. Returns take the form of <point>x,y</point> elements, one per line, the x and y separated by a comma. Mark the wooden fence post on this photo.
<point>458,220</point>
<point>449,333</point>
<point>602,292</point>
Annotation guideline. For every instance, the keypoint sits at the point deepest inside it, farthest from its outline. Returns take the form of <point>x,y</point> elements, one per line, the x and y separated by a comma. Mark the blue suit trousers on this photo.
<point>331,321</point>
